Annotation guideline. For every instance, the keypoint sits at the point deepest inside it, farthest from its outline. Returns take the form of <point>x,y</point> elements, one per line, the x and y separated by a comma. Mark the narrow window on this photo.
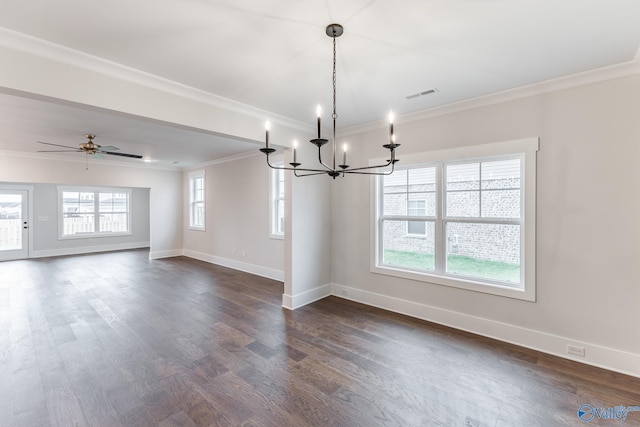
<point>277,203</point>
<point>196,200</point>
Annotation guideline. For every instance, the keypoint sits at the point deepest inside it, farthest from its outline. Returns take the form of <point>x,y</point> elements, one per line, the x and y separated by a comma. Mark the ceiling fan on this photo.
<point>89,148</point>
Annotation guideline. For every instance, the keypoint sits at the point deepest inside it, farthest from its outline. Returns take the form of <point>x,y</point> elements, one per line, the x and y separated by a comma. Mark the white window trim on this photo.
<point>192,175</point>
<point>273,234</point>
<point>62,189</point>
<point>528,148</point>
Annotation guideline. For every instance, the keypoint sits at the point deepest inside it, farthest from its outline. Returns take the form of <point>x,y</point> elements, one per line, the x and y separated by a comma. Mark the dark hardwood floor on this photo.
<point>115,339</point>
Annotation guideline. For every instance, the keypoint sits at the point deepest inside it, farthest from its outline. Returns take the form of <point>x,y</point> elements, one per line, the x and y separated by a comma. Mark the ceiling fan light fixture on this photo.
<point>90,148</point>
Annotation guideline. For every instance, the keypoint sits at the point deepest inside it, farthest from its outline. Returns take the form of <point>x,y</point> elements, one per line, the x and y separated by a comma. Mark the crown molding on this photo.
<point>42,48</point>
<point>598,75</point>
<point>55,52</point>
<point>233,158</point>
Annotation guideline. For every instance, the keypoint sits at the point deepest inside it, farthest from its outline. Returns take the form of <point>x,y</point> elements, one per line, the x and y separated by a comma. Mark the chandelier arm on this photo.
<point>270,165</point>
<point>295,172</point>
<point>329,168</point>
<point>359,172</point>
<point>287,168</point>
<point>389,162</point>
<point>371,173</point>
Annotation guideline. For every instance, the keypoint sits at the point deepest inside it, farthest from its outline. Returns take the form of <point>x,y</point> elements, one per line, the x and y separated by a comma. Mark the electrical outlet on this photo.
<point>575,350</point>
<point>244,253</point>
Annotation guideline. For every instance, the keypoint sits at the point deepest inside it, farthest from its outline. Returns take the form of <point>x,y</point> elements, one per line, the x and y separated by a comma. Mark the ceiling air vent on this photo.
<point>423,93</point>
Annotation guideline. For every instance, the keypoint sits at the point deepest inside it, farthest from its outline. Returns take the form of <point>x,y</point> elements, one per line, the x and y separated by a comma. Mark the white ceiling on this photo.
<point>274,55</point>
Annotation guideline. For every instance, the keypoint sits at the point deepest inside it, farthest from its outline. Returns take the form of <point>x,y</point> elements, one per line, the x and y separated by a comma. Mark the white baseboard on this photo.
<point>165,254</point>
<point>595,355</point>
<point>292,302</point>
<point>87,249</point>
<point>258,270</point>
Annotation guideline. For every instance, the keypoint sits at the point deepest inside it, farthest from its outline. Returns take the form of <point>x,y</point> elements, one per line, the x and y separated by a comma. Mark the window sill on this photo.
<point>276,236</point>
<point>196,228</point>
<point>526,293</point>
<point>93,235</point>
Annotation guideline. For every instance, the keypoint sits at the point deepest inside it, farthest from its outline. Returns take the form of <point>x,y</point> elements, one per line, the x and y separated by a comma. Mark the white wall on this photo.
<point>165,191</point>
<point>308,240</point>
<point>237,232</point>
<point>588,239</point>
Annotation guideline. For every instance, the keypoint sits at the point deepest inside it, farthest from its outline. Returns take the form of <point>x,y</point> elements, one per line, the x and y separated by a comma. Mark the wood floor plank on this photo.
<point>134,342</point>
<point>64,408</point>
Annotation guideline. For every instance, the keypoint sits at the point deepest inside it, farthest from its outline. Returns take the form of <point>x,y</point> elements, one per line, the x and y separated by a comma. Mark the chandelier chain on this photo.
<point>335,115</point>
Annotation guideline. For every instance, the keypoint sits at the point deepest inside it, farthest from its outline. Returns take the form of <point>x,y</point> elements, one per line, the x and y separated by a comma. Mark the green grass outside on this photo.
<point>502,271</point>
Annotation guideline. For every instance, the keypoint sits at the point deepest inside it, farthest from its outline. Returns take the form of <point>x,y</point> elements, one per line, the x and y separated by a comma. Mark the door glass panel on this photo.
<point>10,222</point>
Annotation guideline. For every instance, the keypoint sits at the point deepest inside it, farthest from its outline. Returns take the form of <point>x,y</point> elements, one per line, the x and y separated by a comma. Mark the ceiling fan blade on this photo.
<point>97,155</point>
<point>59,151</point>
<point>57,145</point>
<point>108,148</point>
<point>133,156</point>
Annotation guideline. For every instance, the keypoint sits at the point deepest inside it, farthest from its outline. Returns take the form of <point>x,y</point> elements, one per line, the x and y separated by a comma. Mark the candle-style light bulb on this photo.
<point>295,153</point>
<point>391,119</point>
<point>319,114</point>
<point>344,154</point>
<point>267,126</point>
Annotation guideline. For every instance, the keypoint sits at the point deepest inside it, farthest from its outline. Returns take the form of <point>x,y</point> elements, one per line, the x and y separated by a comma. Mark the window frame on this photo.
<point>526,148</point>
<point>96,212</point>
<point>275,198</point>
<point>193,177</point>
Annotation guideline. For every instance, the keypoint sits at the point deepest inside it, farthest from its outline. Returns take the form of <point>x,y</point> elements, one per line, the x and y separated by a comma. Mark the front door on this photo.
<point>14,225</point>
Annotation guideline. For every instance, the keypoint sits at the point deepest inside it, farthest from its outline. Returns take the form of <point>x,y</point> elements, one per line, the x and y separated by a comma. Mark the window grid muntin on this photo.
<point>441,219</point>
<point>90,209</point>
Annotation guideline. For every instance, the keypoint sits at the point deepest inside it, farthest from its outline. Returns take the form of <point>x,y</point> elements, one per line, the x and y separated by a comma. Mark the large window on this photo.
<point>196,200</point>
<point>461,222</point>
<point>94,212</point>
<point>277,203</point>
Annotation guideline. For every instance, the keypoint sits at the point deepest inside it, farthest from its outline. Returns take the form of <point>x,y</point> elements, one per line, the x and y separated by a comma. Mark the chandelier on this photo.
<point>332,169</point>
